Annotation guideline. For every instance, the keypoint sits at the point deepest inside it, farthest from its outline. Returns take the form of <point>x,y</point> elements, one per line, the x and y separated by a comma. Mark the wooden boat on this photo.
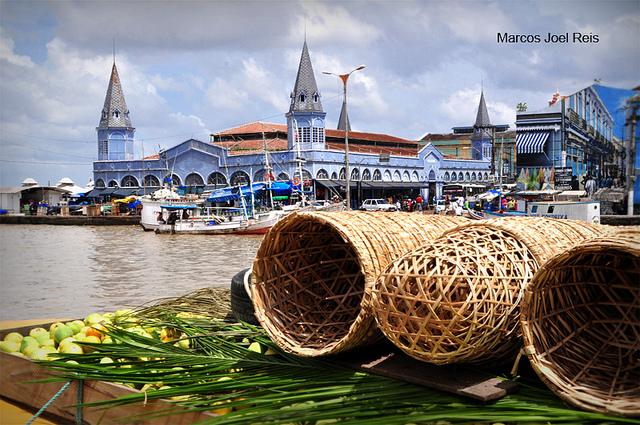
<point>16,386</point>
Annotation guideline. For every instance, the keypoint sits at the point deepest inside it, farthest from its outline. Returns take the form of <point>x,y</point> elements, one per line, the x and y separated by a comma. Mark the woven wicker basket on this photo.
<point>581,324</point>
<point>457,298</point>
<point>313,273</point>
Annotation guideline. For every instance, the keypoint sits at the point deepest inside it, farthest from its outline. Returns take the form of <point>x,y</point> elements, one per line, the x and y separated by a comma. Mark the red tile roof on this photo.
<point>254,127</point>
<point>237,147</point>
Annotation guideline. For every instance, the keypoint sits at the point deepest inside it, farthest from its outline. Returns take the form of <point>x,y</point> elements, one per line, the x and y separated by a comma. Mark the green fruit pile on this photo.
<point>39,343</point>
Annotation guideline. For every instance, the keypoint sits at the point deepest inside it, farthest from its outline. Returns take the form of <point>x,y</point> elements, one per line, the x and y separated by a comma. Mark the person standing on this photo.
<point>419,202</point>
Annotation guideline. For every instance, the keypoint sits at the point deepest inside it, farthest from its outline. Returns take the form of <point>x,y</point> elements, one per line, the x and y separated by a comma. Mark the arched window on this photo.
<point>239,178</point>
<point>216,179</point>
<point>486,176</point>
<point>343,174</point>
<point>151,181</point>
<point>302,97</point>
<point>467,177</point>
<point>355,174</point>
<point>194,179</point>
<point>405,176</point>
<point>116,113</point>
<point>306,175</point>
<point>259,176</point>
<point>283,177</point>
<point>432,175</point>
<point>387,175</point>
<point>129,181</point>
<point>454,177</point>
<point>460,176</point>
<point>366,174</point>
<point>113,183</point>
<point>334,176</point>
<point>99,183</point>
<point>377,176</point>
<point>173,179</point>
<point>316,97</point>
<point>473,176</point>
<point>396,176</point>
<point>104,114</point>
<point>447,177</point>
<point>322,174</point>
<point>415,177</point>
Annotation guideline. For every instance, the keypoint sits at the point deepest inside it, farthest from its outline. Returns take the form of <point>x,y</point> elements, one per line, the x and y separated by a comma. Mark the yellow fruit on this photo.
<point>255,347</point>
<point>61,332</point>
<point>76,326</point>
<point>222,410</point>
<point>106,360</point>
<point>28,341</point>
<point>93,319</point>
<point>53,327</point>
<point>9,346</point>
<point>42,337</point>
<point>68,340</point>
<point>42,353</point>
<point>96,331</point>
<point>48,342</point>
<point>107,340</point>
<point>36,331</point>
<point>70,348</point>
<point>29,349</point>
<point>14,337</point>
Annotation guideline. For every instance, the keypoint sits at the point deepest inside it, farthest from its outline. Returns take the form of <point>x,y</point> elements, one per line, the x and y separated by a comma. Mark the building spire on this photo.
<point>305,96</point>
<point>343,122</point>
<point>115,112</point>
<point>482,119</point>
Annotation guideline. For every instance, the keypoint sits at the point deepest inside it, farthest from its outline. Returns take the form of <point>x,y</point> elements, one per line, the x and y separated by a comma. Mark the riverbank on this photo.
<point>72,220</point>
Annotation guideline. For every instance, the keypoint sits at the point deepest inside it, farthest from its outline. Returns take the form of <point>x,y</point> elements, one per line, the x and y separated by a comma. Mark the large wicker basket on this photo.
<point>313,273</point>
<point>457,298</point>
<point>581,324</point>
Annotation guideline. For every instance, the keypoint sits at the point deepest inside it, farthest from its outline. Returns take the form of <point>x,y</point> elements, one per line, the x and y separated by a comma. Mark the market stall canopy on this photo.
<point>232,193</point>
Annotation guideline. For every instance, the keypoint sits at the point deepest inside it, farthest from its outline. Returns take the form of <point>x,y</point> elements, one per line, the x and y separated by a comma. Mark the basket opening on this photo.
<point>585,323</point>
<point>311,285</point>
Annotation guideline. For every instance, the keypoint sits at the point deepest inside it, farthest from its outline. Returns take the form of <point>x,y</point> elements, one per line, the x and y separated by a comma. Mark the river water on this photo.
<point>70,271</point>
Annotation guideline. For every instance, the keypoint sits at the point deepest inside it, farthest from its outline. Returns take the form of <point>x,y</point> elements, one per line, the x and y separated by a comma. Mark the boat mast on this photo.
<point>267,168</point>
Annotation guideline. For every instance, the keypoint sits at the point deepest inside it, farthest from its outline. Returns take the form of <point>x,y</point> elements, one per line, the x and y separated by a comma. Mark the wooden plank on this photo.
<point>460,380</point>
<point>16,372</point>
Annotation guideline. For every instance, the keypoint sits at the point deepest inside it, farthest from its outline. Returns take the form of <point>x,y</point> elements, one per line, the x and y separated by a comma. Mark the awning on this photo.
<point>531,142</point>
<point>125,191</point>
<point>371,184</point>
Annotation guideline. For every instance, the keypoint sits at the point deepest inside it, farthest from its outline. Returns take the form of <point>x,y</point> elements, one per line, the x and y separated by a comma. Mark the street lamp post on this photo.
<point>345,78</point>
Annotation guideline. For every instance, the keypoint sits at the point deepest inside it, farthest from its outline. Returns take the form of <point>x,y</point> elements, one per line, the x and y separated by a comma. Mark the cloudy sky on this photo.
<point>191,68</point>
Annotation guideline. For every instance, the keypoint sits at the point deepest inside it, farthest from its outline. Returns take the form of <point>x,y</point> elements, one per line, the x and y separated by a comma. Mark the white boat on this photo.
<point>151,206</point>
<point>588,211</point>
<point>191,219</point>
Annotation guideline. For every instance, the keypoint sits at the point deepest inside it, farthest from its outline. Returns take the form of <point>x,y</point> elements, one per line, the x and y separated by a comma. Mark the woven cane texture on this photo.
<point>581,324</point>
<point>457,299</point>
<point>546,237</point>
<point>453,300</point>
<point>314,270</point>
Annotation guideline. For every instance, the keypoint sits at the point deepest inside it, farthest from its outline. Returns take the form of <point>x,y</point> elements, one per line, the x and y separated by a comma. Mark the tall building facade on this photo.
<point>573,133</point>
<point>381,164</point>
<point>115,131</point>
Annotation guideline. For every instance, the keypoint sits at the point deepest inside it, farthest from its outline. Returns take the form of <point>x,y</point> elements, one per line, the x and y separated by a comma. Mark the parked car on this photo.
<point>440,207</point>
<point>377,205</point>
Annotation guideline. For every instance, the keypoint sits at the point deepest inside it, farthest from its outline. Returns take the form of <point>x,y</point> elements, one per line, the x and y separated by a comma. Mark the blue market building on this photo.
<point>381,165</point>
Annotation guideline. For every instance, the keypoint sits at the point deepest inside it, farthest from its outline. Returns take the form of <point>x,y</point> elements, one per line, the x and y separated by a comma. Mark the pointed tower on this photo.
<point>344,123</point>
<point>115,132</point>
<point>483,132</point>
<point>305,119</point>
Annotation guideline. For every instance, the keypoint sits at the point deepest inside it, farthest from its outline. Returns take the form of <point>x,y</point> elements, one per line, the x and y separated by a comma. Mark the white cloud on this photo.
<point>332,23</point>
<point>6,53</point>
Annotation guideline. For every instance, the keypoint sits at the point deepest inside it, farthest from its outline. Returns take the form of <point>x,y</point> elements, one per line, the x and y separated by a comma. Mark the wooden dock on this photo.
<point>72,220</point>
